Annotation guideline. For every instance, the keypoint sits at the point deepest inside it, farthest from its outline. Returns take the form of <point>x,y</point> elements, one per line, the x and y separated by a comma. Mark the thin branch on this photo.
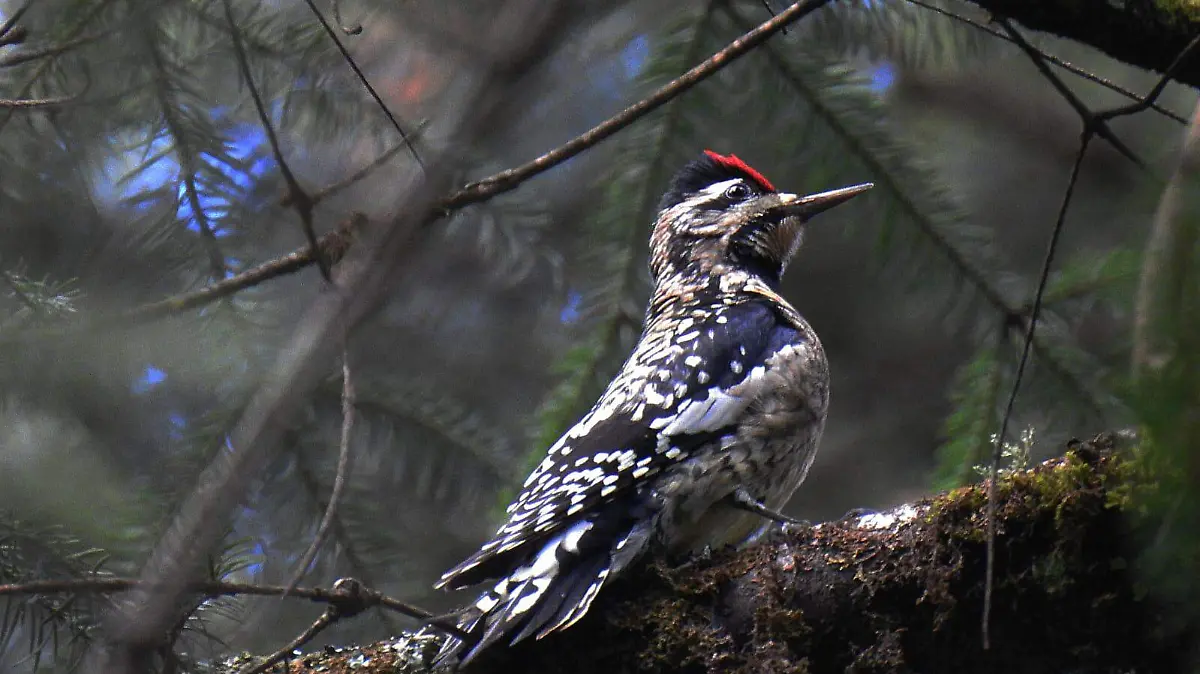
<point>187,160</point>
<point>357,565</point>
<point>12,20</point>
<point>343,469</point>
<point>299,198</point>
<point>1094,125</point>
<point>365,82</point>
<point>499,183</point>
<point>1151,97</point>
<point>506,181</point>
<point>525,32</point>
<point>334,246</point>
<point>327,618</point>
<point>361,599</point>
<point>14,36</point>
<point>27,103</point>
<point>1097,125</point>
<point>1052,59</point>
<point>332,614</point>
<point>332,189</point>
<point>1012,396</point>
<point>71,34</point>
<point>22,57</point>
<point>890,183</point>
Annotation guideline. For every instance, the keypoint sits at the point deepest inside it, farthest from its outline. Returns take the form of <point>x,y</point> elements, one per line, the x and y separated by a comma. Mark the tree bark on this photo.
<point>898,591</point>
<point>1146,33</point>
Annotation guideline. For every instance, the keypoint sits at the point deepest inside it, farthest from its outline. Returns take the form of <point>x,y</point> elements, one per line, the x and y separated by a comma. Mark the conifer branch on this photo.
<point>509,180</point>
<point>21,57</point>
<point>328,617</point>
<point>71,33</point>
<point>362,77</point>
<point>1095,124</point>
<point>885,180</point>
<point>362,599</point>
<point>582,383</point>
<point>188,160</point>
<point>502,182</point>
<point>1052,59</point>
<point>348,547</point>
<point>297,196</point>
<point>349,398</point>
<point>526,32</point>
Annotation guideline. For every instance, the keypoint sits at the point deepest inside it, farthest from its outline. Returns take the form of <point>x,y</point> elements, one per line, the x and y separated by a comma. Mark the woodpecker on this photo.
<point>699,440</point>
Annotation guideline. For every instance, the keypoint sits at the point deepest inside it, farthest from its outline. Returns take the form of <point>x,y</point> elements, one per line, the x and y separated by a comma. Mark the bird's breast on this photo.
<point>768,451</point>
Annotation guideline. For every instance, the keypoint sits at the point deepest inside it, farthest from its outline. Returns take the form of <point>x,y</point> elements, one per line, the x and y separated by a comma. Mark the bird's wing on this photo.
<point>670,397</point>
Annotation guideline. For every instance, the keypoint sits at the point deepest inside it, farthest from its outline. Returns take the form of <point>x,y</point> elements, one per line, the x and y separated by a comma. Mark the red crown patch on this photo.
<point>731,161</point>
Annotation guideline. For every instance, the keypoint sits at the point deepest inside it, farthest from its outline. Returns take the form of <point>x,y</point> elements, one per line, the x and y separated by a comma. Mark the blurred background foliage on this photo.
<point>155,178</point>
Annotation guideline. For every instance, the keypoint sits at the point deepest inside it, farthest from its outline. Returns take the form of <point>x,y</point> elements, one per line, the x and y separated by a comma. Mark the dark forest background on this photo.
<point>134,166</point>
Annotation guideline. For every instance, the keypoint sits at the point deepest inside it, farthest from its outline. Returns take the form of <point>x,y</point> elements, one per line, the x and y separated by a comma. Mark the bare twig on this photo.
<point>350,603</point>
<point>332,189</point>
<point>70,34</point>
<point>524,33</point>
<point>891,183</point>
<point>1093,125</point>
<point>1051,248</point>
<point>328,617</point>
<point>509,180</point>
<point>1154,93</point>
<point>299,198</point>
<point>1092,122</point>
<point>365,82</point>
<point>333,244</point>
<point>26,103</point>
<point>771,11</point>
<point>343,469</point>
<point>13,36</point>
<point>332,614</point>
<point>11,21</point>
<point>18,58</point>
<point>487,188</point>
<point>1052,59</point>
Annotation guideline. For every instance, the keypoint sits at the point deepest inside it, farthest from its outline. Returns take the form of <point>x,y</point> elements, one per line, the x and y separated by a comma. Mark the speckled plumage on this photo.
<point>727,388</point>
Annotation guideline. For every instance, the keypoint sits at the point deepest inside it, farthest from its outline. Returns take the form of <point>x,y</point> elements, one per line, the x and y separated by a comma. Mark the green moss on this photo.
<point>1187,9</point>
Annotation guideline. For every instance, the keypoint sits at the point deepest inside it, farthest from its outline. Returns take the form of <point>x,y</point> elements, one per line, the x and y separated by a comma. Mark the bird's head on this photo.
<point>719,215</point>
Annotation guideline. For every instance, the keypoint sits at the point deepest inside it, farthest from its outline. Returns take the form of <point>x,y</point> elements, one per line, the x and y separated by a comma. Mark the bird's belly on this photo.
<point>769,454</point>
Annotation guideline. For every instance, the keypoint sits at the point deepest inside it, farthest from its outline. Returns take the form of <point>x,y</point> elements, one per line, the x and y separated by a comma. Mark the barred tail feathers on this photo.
<point>551,592</point>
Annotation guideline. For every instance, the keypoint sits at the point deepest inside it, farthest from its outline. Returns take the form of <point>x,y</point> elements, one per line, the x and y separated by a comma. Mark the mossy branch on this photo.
<point>1144,33</point>
<point>894,591</point>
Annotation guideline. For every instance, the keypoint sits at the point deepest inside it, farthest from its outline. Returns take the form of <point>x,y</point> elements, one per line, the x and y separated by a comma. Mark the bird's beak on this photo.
<point>807,207</point>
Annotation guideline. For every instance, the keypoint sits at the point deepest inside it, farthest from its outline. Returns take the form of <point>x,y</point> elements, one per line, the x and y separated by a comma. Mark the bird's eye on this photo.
<point>737,192</point>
